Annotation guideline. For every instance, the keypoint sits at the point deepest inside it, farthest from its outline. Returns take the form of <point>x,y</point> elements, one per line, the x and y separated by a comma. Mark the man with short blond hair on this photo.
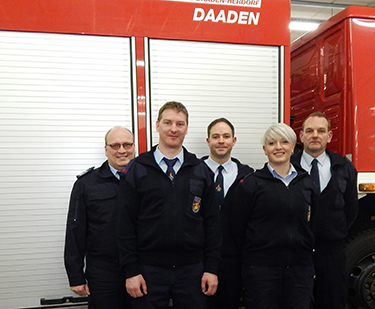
<point>168,224</point>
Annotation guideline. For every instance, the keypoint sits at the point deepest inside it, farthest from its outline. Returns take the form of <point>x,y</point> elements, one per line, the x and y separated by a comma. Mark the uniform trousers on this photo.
<point>331,282</point>
<point>107,288</point>
<point>278,287</point>
<point>229,290</point>
<point>182,284</point>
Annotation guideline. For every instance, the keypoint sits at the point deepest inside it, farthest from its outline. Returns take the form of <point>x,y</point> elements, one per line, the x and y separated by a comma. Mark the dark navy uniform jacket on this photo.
<point>338,202</point>
<point>90,229</point>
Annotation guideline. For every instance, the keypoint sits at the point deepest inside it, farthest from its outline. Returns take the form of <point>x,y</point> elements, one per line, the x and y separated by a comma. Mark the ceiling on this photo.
<point>311,10</point>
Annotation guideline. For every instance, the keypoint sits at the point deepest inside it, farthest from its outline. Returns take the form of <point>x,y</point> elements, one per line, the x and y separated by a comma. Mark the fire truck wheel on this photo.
<point>360,250</point>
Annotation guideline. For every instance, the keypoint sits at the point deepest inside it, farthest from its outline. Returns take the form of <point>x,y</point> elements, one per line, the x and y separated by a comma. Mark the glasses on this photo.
<point>126,146</point>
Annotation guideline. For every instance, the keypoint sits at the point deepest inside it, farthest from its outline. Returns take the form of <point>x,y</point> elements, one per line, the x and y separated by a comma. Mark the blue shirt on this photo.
<point>114,171</point>
<point>158,155</point>
<point>288,177</point>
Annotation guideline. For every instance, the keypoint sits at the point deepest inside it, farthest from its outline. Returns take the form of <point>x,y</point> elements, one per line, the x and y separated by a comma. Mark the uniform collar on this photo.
<point>308,158</point>
<point>214,165</point>
<point>159,156</point>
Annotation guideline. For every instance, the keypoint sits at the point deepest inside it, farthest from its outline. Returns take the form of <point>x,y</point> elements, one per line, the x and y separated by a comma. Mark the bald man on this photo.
<point>91,257</point>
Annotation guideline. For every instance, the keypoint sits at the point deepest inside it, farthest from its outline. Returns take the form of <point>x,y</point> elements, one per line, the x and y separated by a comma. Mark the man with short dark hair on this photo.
<point>91,256</point>
<point>168,224</point>
<point>221,140</point>
<point>336,178</point>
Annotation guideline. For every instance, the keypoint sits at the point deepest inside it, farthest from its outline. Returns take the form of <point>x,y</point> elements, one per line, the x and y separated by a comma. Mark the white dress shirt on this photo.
<point>230,171</point>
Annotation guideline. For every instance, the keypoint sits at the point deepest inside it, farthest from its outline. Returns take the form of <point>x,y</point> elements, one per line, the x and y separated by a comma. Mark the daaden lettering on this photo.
<point>230,16</point>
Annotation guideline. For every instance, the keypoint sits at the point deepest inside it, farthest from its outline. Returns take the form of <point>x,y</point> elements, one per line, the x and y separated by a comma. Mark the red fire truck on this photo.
<point>72,69</point>
<point>333,71</point>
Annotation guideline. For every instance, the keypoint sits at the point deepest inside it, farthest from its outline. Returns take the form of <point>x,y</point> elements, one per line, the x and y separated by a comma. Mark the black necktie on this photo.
<point>314,172</point>
<point>219,185</point>
<point>170,171</point>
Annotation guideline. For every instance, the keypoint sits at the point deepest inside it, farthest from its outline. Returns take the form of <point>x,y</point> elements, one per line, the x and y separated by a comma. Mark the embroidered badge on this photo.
<point>218,188</point>
<point>196,204</point>
<point>309,213</point>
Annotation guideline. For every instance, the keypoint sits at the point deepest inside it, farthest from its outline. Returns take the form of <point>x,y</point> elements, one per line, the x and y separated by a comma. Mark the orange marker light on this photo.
<point>366,187</point>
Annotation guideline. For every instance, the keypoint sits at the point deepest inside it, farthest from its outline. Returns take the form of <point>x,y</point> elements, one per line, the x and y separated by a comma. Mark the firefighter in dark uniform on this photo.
<point>336,178</point>
<point>91,256</point>
<point>168,224</point>
<point>270,221</point>
<point>221,140</point>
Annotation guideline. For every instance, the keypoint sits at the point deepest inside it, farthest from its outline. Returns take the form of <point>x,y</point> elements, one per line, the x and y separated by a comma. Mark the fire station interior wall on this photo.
<point>59,94</point>
<point>238,82</point>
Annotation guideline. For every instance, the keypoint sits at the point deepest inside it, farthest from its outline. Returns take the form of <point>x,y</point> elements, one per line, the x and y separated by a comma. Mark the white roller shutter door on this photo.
<point>59,94</point>
<point>239,82</point>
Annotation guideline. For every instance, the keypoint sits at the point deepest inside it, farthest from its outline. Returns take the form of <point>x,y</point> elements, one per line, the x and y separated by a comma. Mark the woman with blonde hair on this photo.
<point>271,223</point>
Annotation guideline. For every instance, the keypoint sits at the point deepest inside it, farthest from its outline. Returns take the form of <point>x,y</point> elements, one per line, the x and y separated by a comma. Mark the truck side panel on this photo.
<point>362,93</point>
<point>318,83</point>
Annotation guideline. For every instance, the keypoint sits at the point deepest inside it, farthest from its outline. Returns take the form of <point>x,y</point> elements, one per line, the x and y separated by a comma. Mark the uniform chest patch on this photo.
<point>196,204</point>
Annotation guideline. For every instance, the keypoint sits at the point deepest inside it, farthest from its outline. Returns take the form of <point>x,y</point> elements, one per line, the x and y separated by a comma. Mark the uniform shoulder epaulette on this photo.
<point>85,172</point>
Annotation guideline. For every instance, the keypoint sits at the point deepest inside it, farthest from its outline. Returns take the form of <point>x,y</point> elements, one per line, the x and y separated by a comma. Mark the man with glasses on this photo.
<point>91,256</point>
